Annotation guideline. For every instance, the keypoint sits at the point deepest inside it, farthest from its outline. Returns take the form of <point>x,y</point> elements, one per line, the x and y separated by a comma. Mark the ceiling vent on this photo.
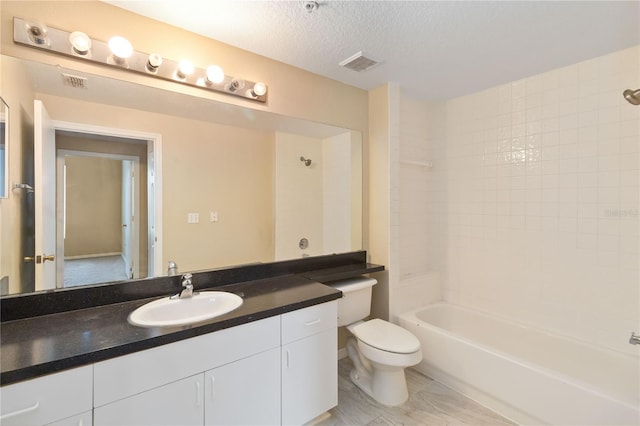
<point>359,62</point>
<point>74,81</point>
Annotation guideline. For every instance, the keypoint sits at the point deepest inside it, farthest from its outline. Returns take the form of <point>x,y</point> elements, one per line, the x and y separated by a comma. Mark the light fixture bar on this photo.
<point>166,69</point>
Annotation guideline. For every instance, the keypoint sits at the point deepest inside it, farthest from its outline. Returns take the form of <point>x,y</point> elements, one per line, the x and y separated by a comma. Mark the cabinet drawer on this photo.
<point>308,321</point>
<point>47,399</point>
<point>128,375</point>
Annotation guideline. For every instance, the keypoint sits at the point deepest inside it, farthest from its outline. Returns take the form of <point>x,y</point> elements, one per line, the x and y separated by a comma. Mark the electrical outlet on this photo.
<point>193,218</point>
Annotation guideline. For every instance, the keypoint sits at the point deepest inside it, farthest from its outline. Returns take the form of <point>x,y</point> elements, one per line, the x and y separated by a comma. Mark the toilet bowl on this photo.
<point>379,350</point>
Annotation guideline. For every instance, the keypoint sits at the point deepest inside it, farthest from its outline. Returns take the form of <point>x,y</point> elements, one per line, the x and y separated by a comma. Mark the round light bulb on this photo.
<point>215,74</point>
<point>185,68</point>
<point>80,42</point>
<point>259,89</point>
<point>154,61</point>
<point>120,47</point>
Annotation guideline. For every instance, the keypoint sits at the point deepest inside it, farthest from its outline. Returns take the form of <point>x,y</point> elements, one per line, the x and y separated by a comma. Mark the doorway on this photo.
<point>49,137</point>
<point>100,209</point>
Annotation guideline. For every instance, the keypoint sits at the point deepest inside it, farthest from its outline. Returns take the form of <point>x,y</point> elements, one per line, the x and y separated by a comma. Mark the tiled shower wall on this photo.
<point>531,208</point>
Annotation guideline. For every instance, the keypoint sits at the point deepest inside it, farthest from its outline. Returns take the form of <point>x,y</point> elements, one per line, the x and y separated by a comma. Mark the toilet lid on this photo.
<point>386,336</point>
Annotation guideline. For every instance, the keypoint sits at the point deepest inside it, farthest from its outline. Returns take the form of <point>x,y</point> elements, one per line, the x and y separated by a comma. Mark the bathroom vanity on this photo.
<point>271,361</point>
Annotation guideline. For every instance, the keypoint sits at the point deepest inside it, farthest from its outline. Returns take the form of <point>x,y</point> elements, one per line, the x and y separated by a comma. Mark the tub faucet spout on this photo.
<point>634,339</point>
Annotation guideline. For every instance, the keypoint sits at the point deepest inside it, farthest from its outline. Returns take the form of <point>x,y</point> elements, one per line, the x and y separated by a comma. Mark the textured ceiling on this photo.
<point>433,49</point>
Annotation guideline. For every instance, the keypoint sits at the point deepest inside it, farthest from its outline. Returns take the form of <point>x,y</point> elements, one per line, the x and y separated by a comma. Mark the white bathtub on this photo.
<point>526,375</point>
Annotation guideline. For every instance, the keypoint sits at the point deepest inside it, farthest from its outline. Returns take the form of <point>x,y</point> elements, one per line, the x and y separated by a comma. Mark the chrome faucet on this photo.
<point>187,287</point>
<point>634,339</point>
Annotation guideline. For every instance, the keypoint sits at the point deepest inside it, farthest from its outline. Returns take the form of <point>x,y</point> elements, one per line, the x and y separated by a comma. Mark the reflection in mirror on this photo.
<point>101,180</point>
<point>225,183</point>
<point>4,144</point>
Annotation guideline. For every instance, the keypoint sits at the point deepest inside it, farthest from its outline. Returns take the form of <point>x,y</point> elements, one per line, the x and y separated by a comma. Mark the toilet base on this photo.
<point>386,384</point>
<point>386,387</point>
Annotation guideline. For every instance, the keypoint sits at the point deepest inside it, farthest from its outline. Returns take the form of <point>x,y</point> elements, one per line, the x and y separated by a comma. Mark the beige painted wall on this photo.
<point>93,206</point>
<point>336,163</point>
<point>379,199</point>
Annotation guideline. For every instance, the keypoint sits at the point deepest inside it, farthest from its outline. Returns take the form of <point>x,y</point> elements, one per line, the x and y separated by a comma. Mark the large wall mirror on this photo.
<point>143,176</point>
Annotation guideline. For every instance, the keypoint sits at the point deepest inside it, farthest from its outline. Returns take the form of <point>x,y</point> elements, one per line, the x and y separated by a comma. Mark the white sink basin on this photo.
<point>201,306</point>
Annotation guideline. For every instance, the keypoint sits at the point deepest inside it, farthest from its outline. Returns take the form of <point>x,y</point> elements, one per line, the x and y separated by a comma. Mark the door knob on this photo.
<point>49,257</point>
<point>28,259</point>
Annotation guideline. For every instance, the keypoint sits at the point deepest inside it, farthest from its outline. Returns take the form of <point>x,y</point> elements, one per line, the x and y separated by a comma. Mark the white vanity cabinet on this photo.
<point>309,363</point>
<point>278,370</point>
<point>41,401</point>
<point>158,386</point>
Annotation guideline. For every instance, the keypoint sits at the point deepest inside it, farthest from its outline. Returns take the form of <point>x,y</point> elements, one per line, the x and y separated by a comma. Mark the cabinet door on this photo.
<point>40,401</point>
<point>309,377</point>
<point>177,403</point>
<point>245,392</point>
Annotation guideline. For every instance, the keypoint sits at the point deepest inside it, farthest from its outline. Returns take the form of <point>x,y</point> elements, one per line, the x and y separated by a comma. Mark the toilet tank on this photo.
<point>355,303</point>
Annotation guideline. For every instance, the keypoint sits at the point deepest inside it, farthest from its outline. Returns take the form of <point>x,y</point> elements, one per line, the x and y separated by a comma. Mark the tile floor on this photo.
<point>430,403</point>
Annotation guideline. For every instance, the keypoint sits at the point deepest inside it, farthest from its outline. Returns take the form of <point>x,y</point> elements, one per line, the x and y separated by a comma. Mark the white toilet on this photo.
<point>381,350</point>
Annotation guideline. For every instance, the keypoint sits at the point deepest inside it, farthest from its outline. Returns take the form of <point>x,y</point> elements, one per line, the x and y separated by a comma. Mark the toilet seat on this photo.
<point>385,336</point>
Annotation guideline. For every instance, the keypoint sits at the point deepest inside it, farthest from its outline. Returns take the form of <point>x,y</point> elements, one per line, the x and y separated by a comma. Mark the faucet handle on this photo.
<point>186,279</point>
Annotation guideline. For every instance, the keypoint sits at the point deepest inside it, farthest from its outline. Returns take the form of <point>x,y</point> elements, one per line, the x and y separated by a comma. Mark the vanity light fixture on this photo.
<point>235,85</point>
<point>185,69</point>
<point>80,42</point>
<point>259,89</point>
<point>119,52</point>
<point>215,75</point>
<point>121,49</point>
<point>38,33</point>
<point>154,62</point>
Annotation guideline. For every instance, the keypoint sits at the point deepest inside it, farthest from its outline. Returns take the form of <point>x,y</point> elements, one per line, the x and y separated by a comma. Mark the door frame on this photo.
<point>154,182</point>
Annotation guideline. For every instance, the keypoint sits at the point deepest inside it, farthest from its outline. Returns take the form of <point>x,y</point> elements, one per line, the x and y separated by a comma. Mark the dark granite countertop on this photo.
<point>45,344</point>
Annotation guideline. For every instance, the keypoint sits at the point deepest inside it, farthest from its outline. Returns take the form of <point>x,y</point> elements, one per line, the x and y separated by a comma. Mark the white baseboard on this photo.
<point>90,256</point>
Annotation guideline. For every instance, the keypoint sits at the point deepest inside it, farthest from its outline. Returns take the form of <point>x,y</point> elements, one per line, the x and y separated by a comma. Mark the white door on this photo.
<point>44,187</point>
<point>127,213</point>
